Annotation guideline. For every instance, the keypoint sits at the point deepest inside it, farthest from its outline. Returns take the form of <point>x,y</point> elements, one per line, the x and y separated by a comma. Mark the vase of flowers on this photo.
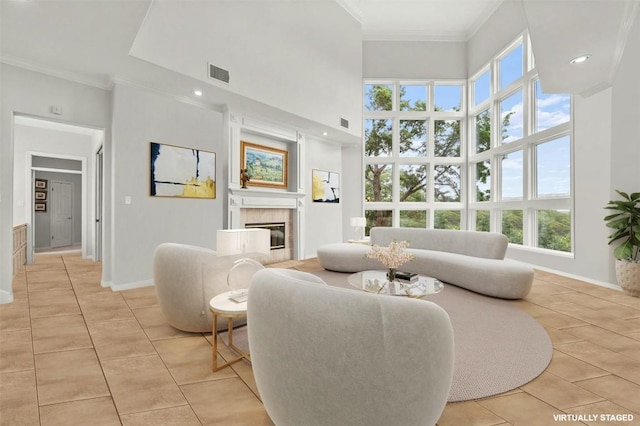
<point>392,257</point>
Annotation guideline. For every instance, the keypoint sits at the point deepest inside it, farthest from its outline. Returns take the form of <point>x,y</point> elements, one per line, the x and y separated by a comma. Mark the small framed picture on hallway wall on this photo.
<point>41,184</point>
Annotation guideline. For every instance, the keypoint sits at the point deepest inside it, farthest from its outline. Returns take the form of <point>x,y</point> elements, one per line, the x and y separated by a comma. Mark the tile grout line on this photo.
<point>554,347</point>
<point>104,376</point>
<point>33,350</point>
<point>163,362</point>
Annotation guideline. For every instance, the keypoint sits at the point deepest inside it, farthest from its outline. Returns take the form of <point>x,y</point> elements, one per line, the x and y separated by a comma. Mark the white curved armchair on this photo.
<point>187,277</point>
<point>324,355</point>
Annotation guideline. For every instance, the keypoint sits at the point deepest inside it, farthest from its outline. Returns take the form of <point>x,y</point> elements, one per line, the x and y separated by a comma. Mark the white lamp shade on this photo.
<point>243,241</point>
<point>358,221</point>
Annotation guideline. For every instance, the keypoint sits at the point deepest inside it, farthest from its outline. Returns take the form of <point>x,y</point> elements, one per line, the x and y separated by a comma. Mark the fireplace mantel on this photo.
<point>263,202</point>
<point>262,199</point>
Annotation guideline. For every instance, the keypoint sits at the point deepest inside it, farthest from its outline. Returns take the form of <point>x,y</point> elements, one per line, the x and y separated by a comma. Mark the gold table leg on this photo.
<point>243,355</point>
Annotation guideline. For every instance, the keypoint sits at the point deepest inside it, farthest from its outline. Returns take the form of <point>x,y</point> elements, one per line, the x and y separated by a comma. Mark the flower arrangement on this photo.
<point>392,256</point>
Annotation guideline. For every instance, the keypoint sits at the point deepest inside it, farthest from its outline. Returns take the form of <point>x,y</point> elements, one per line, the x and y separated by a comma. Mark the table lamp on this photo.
<point>359,223</point>
<point>240,245</point>
<point>245,242</point>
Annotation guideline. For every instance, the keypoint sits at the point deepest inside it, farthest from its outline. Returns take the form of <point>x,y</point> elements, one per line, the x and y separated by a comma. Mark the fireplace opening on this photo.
<point>277,232</point>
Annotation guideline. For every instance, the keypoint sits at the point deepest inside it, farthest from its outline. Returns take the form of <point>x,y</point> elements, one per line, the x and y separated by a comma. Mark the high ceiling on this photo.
<point>447,20</point>
<point>90,41</point>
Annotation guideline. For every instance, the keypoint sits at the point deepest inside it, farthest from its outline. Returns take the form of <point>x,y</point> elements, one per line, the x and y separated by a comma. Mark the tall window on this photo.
<point>414,153</point>
<point>521,155</point>
<point>502,165</point>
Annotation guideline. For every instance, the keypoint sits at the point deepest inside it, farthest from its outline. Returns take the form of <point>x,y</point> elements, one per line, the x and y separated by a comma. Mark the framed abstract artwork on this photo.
<point>265,166</point>
<point>325,187</point>
<point>182,172</point>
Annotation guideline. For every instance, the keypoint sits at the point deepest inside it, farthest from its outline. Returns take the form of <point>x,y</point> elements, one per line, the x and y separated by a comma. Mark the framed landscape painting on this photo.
<point>325,187</point>
<point>182,172</point>
<point>266,166</point>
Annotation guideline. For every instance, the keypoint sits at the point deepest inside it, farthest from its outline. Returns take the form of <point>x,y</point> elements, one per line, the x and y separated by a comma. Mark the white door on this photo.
<point>61,217</point>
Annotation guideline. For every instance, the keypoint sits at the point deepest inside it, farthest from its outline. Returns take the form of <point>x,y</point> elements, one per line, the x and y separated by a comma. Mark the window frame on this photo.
<point>429,160</point>
<point>469,206</point>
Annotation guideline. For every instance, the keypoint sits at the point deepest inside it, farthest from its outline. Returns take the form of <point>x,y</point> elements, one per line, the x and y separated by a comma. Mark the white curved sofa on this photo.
<point>327,356</point>
<point>468,259</point>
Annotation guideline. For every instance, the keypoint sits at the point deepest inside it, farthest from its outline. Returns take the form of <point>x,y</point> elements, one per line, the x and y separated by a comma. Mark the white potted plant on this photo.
<point>625,223</point>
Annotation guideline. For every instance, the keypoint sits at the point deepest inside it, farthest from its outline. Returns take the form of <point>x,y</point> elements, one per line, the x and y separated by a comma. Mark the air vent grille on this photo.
<point>218,73</point>
<point>344,123</point>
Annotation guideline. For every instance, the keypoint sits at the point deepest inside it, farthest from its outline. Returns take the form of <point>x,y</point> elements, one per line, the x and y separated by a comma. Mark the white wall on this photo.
<point>302,57</point>
<point>414,59</point>
<point>32,93</point>
<point>323,220</point>
<point>139,118</point>
<point>626,117</point>
<point>625,136</point>
<point>352,188</point>
<point>499,30</point>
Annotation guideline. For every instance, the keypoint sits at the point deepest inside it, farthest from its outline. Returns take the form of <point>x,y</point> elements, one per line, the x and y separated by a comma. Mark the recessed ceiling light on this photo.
<point>325,133</point>
<point>197,92</point>
<point>580,59</point>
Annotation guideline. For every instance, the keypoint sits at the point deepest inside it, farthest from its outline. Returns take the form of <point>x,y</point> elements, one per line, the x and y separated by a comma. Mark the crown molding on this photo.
<point>381,35</point>
<point>63,74</point>
<point>483,20</point>
<point>351,8</point>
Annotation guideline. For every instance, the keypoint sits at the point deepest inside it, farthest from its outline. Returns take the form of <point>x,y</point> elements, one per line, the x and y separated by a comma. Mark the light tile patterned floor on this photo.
<point>74,353</point>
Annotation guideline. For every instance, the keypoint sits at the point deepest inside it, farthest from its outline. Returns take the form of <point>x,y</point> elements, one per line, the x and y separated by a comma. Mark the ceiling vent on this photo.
<point>218,73</point>
<point>344,122</point>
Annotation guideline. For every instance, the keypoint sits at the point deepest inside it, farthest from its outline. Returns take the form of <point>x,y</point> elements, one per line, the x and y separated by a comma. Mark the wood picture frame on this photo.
<point>40,207</point>
<point>41,183</point>
<point>40,195</point>
<point>265,165</point>
<point>181,172</point>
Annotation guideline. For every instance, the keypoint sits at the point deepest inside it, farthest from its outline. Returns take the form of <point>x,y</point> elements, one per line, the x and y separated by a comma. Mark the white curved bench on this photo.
<point>468,259</point>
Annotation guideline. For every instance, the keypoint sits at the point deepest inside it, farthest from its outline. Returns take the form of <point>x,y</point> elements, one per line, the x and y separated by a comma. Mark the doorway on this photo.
<point>57,216</point>
<point>36,138</point>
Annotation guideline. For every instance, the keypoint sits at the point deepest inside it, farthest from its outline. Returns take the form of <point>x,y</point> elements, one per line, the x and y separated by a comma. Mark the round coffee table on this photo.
<point>376,282</point>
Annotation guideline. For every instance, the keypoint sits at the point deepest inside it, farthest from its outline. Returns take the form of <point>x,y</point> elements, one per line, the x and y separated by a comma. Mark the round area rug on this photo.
<point>498,347</point>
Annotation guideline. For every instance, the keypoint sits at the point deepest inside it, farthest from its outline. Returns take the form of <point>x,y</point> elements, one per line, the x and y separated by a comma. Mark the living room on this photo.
<point>286,89</point>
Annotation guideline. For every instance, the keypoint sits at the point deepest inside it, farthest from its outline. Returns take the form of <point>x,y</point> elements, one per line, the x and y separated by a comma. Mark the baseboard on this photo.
<point>5,297</point>
<point>130,286</point>
<point>578,277</point>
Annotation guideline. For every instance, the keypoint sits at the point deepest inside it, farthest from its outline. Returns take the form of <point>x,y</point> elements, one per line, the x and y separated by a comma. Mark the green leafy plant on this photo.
<point>625,223</point>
